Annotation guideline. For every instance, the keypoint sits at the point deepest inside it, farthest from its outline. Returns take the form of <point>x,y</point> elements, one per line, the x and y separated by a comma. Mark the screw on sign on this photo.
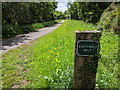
<point>86,56</point>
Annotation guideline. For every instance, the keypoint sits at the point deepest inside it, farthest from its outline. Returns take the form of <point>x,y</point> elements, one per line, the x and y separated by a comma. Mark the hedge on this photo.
<point>9,30</point>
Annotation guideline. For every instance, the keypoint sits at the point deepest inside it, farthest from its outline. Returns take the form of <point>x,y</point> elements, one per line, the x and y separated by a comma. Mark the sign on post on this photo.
<point>87,47</point>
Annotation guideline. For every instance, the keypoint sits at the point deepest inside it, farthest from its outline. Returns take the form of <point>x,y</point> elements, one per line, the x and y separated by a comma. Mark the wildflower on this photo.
<point>57,60</point>
<point>57,53</point>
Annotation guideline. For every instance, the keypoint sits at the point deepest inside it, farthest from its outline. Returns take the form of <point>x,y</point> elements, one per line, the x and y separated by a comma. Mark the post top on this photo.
<point>86,31</point>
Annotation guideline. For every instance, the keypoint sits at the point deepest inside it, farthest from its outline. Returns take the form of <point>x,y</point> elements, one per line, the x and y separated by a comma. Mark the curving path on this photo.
<point>22,39</point>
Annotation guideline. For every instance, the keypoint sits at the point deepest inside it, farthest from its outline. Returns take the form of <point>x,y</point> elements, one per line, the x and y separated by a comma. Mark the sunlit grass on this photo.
<point>108,73</point>
<point>49,60</point>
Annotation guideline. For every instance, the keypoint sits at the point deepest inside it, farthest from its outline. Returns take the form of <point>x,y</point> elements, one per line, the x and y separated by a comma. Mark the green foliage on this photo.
<point>27,28</point>
<point>59,15</point>
<point>12,30</point>
<point>47,61</point>
<point>27,12</point>
<point>109,20</point>
<point>37,25</point>
<point>15,13</point>
<point>87,11</point>
<point>66,14</point>
<point>108,69</point>
<point>17,17</point>
<point>9,30</point>
<point>48,23</point>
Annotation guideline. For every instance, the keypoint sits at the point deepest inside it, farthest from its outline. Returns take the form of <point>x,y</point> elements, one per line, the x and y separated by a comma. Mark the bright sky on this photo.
<point>62,5</point>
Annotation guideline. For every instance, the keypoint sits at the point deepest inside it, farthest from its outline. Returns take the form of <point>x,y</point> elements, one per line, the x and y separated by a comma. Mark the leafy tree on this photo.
<point>27,12</point>
<point>18,17</point>
<point>66,14</point>
<point>87,11</point>
<point>59,15</point>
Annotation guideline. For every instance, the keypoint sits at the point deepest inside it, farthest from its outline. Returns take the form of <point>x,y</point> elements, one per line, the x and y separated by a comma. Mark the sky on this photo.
<point>62,5</point>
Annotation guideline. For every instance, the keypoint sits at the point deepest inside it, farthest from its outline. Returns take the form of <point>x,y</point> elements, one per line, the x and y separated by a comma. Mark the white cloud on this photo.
<point>65,0</point>
<point>62,6</point>
<point>62,1</point>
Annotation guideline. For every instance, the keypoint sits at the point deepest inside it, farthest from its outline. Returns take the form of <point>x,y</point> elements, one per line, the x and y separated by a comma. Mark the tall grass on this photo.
<point>49,60</point>
<point>108,69</point>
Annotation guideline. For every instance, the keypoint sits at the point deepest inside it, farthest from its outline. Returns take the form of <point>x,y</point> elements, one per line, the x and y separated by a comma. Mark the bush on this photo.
<point>48,23</point>
<point>45,24</point>
<point>37,25</point>
<point>9,30</point>
<point>27,28</point>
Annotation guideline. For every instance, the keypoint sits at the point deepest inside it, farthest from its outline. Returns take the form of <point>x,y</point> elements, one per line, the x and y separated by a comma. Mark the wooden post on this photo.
<point>85,66</point>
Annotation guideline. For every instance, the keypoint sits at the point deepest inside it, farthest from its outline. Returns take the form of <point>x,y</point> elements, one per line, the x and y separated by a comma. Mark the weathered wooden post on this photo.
<point>86,56</point>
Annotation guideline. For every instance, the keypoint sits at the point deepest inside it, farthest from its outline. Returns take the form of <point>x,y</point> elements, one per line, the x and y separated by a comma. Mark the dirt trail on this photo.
<point>19,40</point>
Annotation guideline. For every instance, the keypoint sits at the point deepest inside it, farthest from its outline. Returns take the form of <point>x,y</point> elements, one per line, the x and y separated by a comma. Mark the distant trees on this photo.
<point>87,11</point>
<point>62,15</point>
<point>27,12</point>
<point>58,14</point>
<point>66,14</point>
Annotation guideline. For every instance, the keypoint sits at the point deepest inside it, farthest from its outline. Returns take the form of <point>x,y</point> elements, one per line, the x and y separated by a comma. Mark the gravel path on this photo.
<point>19,40</point>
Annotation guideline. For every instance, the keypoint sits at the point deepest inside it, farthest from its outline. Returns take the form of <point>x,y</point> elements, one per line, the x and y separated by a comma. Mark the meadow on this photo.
<point>48,62</point>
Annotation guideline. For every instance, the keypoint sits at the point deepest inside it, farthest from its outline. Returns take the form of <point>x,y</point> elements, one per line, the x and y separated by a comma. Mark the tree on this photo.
<point>27,12</point>
<point>66,14</point>
<point>59,15</point>
<point>87,11</point>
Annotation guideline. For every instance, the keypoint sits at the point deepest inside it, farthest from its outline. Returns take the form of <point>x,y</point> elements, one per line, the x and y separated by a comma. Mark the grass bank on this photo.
<point>108,69</point>
<point>49,60</point>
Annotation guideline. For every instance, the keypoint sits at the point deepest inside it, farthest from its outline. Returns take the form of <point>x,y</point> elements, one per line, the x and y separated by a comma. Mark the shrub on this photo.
<point>27,28</point>
<point>45,24</point>
<point>37,25</point>
<point>9,30</point>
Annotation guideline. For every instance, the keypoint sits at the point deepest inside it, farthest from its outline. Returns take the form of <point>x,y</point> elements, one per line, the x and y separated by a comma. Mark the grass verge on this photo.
<point>49,60</point>
<point>108,69</point>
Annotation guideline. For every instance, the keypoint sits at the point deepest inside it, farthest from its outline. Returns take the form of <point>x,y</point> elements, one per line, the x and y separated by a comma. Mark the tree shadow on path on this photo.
<point>13,41</point>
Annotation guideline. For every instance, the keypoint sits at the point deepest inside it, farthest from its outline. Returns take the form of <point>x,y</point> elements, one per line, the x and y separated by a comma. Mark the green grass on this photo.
<point>49,60</point>
<point>108,69</point>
